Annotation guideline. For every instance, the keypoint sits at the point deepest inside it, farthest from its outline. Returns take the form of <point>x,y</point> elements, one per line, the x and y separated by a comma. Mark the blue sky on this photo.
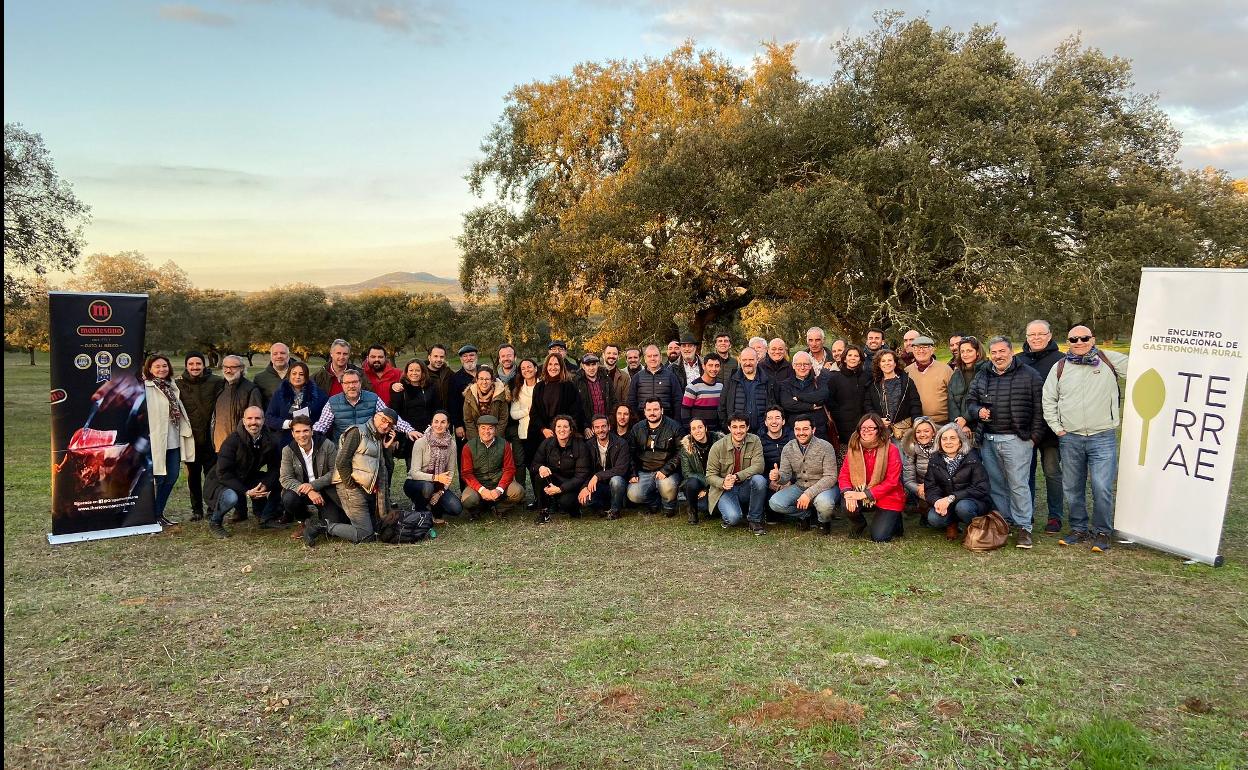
<point>257,142</point>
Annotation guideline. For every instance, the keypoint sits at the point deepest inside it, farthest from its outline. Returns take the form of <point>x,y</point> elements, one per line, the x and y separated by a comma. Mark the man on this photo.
<point>632,362</point>
<point>560,347</point>
<point>437,370</point>
<point>457,383</point>
<point>874,344</point>
<point>955,341</point>
<point>1081,406</point>
<point>199,389</point>
<point>655,448</point>
<point>269,380</point>
<point>654,381</point>
<point>238,394</point>
<point>838,352</point>
<point>688,367</point>
<point>748,391</point>
<point>307,475</point>
<point>702,398</point>
<point>505,362</point>
<point>931,378</point>
<point>618,378</point>
<point>818,353</point>
<point>807,478</point>
<point>759,346</point>
<point>775,436</point>
<point>907,347</point>
<point>734,473</point>
<point>362,477</point>
<point>247,467</point>
<point>723,352</point>
<point>329,377</point>
<point>673,351</point>
<point>1006,400</point>
<point>776,364</point>
<point>380,374</point>
<point>594,389</point>
<point>562,467</point>
<point>485,396</point>
<point>354,406</point>
<point>1040,353</point>
<point>610,468</point>
<point>488,469</point>
<point>804,395</point>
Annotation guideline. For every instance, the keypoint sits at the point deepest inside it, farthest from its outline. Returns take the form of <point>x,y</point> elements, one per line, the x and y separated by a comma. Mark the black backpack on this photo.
<point>408,527</point>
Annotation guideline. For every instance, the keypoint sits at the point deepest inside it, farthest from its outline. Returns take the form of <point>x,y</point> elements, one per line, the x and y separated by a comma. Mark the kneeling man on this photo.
<point>808,467</point>
<point>734,471</point>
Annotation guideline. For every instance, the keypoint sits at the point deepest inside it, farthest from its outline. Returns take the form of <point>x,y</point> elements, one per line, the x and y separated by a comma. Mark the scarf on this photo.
<point>1092,358</point>
<point>439,453</point>
<point>165,386</point>
<point>297,401</point>
<point>858,462</point>
<point>953,463</point>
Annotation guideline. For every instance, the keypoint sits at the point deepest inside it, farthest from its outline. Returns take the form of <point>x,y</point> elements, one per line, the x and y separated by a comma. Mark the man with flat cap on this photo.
<point>488,468</point>
<point>595,391</point>
<point>931,378</point>
<point>459,380</point>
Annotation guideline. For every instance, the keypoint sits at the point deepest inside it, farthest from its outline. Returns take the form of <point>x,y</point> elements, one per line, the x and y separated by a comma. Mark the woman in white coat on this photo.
<point>170,430</point>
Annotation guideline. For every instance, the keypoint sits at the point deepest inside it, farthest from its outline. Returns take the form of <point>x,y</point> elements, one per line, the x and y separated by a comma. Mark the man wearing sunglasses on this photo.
<point>1081,406</point>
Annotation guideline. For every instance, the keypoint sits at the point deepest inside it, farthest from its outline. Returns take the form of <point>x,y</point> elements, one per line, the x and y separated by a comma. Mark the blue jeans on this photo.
<point>609,495</point>
<point>164,484</point>
<point>1095,456</point>
<point>419,493</point>
<point>1050,461</point>
<point>754,490</point>
<point>650,491</point>
<point>964,510</point>
<point>824,504</point>
<point>1007,460</point>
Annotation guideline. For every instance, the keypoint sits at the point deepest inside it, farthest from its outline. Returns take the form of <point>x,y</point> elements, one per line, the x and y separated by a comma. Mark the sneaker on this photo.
<point>757,529</point>
<point>543,517</point>
<point>164,522</point>
<point>1054,527</point>
<point>1023,540</point>
<point>218,531</point>
<point>951,532</point>
<point>1076,537</point>
<point>272,524</point>
<point>1100,543</point>
<point>724,525</point>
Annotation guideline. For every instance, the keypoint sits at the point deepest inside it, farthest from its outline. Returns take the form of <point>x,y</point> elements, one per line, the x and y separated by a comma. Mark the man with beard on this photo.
<point>438,372</point>
<point>238,394</point>
<point>723,351</point>
<point>673,351</point>
<point>907,347</point>
<point>380,373</point>
<point>632,361</point>
<point>875,343</point>
<point>199,388</point>
<point>505,360</point>
<point>618,378</point>
<point>455,385</point>
<point>247,467</point>
<point>688,368</point>
<point>329,378</point>
<point>269,380</point>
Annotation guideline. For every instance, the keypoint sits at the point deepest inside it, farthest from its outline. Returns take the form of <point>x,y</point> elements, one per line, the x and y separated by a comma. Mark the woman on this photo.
<point>917,447</point>
<point>555,394</point>
<point>296,395</point>
<point>414,397</point>
<point>956,486</point>
<point>433,471</point>
<point>524,439</point>
<point>563,467</point>
<point>485,396</point>
<point>871,480</point>
<point>892,395</point>
<point>199,389</point>
<point>623,420</point>
<point>694,449</point>
<point>170,430</point>
<point>847,391</point>
<point>970,362</point>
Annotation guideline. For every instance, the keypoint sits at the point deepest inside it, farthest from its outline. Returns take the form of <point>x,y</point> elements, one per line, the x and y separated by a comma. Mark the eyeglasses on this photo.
<point>868,429</point>
<point>1079,339</point>
<point>232,368</point>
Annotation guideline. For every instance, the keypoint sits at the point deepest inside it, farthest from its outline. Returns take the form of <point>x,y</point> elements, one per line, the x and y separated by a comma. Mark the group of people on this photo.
<point>866,433</point>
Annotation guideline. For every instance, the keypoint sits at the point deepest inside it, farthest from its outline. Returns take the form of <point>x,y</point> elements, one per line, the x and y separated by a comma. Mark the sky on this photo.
<point>263,142</point>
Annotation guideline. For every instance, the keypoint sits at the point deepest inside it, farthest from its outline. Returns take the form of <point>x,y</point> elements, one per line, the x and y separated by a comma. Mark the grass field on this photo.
<point>638,643</point>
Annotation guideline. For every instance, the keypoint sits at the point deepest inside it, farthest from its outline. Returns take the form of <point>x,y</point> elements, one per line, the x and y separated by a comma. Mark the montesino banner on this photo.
<point>101,459</point>
<point>1185,390</point>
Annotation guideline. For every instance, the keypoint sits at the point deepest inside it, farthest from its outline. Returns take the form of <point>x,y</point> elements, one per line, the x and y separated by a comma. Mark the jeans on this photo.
<point>824,504</point>
<point>693,487</point>
<point>1095,456</point>
<point>754,490</point>
<point>1007,460</point>
<point>1050,461</point>
<point>229,498</point>
<point>164,484</point>
<point>419,492</point>
<point>609,495</point>
<point>962,511</point>
<point>650,491</point>
<point>359,506</point>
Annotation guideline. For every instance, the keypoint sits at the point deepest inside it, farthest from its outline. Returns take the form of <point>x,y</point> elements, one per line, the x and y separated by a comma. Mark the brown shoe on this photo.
<point>298,533</point>
<point>951,532</point>
<point>1023,539</point>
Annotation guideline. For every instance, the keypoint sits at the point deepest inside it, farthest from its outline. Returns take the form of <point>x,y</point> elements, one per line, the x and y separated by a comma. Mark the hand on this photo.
<point>851,504</point>
<point>803,502</point>
<point>961,421</point>
<point>390,439</point>
<point>396,387</point>
<point>414,434</point>
<point>702,494</point>
<point>588,434</point>
<point>551,489</point>
<point>443,478</point>
<point>583,497</point>
<point>459,433</point>
<point>304,488</point>
<point>592,486</point>
<point>543,472</point>
<point>729,481</point>
<point>660,476</point>
<point>921,491</point>
<point>774,474</point>
<point>942,506</point>
<point>548,433</point>
<point>985,413</point>
<point>258,490</point>
<point>316,497</point>
<point>1061,433</point>
<point>634,480</point>
<point>489,495</point>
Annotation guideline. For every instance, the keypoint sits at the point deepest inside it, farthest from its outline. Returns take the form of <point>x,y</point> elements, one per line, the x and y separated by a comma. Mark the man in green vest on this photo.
<point>488,468</point>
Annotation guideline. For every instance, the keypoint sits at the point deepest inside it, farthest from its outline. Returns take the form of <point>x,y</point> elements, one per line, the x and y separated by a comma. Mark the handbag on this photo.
<point>986,533</point>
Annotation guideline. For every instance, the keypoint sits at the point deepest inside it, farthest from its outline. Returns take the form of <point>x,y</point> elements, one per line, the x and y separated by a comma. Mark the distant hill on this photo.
<point>409,282</point>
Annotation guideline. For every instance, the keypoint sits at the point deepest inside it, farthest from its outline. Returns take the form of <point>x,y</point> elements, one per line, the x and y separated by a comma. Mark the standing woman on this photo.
<point>199,389</point>
<point>892,395</point>
<point>871,480</point>
<point>170,430</point>
<point>970,362</point>
<point>555,394</point>
<point>524,438</point>
<point>847,391</point>
<point>297,394</point>
<point>415,399</point>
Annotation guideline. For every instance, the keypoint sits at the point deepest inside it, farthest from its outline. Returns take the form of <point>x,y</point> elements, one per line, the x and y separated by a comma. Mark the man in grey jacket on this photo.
<point>808,467</point>
<point>307,475</point>
<point>1081,406</point>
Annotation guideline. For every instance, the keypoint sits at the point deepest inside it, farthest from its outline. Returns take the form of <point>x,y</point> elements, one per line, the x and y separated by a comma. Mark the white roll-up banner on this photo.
<point>1185,391</point>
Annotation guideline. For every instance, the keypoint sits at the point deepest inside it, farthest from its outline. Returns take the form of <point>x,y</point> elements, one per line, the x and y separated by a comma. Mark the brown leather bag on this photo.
<point>986,533</point>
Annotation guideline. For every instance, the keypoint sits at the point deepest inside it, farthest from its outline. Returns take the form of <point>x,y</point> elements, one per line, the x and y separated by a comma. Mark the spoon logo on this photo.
<point>1148,396</point>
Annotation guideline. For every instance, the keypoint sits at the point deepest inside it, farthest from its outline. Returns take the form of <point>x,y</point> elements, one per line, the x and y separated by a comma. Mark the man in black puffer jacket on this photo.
<point>1040,353</point>
<point>1007,401</point>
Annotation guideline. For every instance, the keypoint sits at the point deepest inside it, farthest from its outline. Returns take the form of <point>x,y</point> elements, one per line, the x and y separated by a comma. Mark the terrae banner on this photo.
<point>1185,391</point>
<point>101,477</point>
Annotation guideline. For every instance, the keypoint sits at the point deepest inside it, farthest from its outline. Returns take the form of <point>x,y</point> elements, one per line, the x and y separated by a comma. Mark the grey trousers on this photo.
<point>359,506</point>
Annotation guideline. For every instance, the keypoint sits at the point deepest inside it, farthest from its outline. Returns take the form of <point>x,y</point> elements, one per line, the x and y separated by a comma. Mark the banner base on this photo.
<point>104,534</point>
<point>1212,561</point>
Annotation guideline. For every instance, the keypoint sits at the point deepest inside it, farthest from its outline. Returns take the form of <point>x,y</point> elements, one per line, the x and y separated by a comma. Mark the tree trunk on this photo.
<point>31,350</point>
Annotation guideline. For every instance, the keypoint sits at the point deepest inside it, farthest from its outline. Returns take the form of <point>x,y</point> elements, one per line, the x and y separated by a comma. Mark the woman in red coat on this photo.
<point>871,480</point>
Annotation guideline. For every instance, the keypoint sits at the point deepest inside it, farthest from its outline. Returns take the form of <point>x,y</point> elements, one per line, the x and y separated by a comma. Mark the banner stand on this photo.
<point>1188,558</point>
<point>104,534</point>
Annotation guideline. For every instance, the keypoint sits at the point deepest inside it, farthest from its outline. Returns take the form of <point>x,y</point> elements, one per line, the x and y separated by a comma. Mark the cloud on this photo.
<point>165,177</point>
<point>425,21</point>
<point>190,14</point>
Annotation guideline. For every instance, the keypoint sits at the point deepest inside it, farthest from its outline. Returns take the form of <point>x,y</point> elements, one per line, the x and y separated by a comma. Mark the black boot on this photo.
<point>826,527</point>
<point>803,524</point>
<point>693,514</point>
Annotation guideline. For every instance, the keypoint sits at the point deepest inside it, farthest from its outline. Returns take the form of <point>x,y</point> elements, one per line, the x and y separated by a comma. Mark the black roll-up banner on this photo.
<point>101,455</point>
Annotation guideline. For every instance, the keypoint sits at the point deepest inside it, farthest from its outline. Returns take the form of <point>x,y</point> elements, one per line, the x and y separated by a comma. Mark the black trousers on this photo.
<point>885,525</point>
<point>195,473</point>
<point>296,505</point>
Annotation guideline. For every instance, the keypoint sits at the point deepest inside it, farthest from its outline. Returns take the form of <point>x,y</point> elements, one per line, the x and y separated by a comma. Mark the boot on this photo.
<point>693,514</point>
<point>826,527</point>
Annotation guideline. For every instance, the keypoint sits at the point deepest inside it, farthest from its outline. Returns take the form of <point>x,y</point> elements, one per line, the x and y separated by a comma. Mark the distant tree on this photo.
<point>43,219</point>
<point>299,315</point>
<point>26,323</point>
<point>168,288</point>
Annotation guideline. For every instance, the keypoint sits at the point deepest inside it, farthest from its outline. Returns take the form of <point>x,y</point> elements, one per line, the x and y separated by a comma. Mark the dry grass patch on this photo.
<point>803,709</point>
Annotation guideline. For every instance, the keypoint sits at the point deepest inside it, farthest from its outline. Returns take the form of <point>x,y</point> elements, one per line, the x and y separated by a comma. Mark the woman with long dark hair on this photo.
<point>970,362</point>
<point>871,480</point>
<point>892,395</point>
<point>414,396</point>
<point>847,391</point>
<point>169,428</point>
<point>297,394</point>
<point>555,394</point>
<point>524,438</point>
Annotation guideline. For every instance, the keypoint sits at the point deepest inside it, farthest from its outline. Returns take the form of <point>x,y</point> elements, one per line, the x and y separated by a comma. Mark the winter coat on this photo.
<point>662,385</point>
<point>1015,398</point>
<point>380,383</point>
<point>682,377</point>
<point>199,396</point>
<point>664,455</point>
<point>1043,361</point>
<point>293,474</point>
<point>416,404</point>
<point>268,381</point>
<point>242,463</point>
<point>456,382</point>
<point>970,480</point>
<point>777,371</point>
<point>960,389</point>
<point>889,495</point>
<point>736,398</point>
<point>914,460</point>
<point>499,406</point>
<point>804,398</point>
<point>327,381</point>
<point>720,461</point>
<point>847,394</point>
<point>228,409</point>
<point>280,407</point>
<point>773,449</point>
<point>690,463</point>
<point>158,428</point>
<point>587,403</point>
<point>569,403</point>
<point>899,413</point>
<point>619,458</point>
<point>1084,399</point>
<point>569,465</point>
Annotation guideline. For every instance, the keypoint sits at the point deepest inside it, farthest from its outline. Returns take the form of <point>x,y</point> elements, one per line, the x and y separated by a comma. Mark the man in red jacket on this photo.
<point>380,372</point>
